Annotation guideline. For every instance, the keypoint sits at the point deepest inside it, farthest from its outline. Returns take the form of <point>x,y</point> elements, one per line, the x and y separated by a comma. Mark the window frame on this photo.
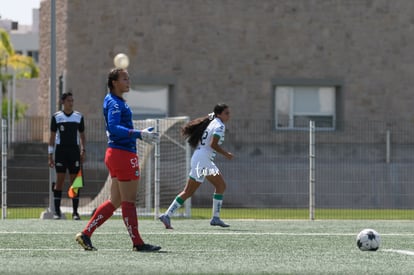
<point>167,81</point>
<point>143,91</point>
<point>338,90</point>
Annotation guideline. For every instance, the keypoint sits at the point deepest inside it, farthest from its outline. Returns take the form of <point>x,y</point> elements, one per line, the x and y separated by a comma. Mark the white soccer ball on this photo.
<point>368,240</point>
<point>121,60</point>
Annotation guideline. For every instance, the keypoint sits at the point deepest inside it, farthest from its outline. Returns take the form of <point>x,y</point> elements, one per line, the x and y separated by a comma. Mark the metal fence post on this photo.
<point>157,174</point>
<point>3,169</point>
<point>388,147</point>
<point>148,184</point>
<point>312,170</point>
<point>187,202</point>
<point>48,213</point>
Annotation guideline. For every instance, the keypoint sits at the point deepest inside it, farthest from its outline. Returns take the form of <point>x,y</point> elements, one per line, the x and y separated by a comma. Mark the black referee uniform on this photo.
<point>67,152</point>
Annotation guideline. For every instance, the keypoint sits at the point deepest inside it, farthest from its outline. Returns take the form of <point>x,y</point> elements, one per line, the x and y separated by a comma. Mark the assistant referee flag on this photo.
<point>76,185</point>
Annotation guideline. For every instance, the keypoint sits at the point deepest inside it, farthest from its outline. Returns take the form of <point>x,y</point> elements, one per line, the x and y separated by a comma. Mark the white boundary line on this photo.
<point>184,233</point>
<point>172,232</point>
<point>79,249</point>
<point>398,251</point>
<point>404,252</point>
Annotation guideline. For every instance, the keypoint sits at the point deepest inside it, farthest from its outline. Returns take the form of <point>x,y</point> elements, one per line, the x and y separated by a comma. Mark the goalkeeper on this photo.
<point>205,135</point>
<point>122,162</point>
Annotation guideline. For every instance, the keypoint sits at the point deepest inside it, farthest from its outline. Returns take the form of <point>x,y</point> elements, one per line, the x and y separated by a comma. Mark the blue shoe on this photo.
<point>85,242</point>
<point>146,248</point>
<point>165,219</point>
<point>215,221</point>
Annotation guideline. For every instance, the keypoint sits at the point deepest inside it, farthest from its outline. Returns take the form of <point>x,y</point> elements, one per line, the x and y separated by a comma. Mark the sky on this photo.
<point>18,10</point>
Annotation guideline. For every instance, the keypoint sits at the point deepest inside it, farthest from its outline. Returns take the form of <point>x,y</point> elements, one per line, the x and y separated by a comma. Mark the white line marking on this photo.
<point>173,232</point>
<point>37,249</point>
<point>102,250</point>
<point>405,252</point>
<point>184,233</point>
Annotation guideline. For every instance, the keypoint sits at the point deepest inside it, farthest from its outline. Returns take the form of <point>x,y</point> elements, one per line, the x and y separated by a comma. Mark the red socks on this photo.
<point>105,211</point>
<point>102,213</point>
<point>129,215</point>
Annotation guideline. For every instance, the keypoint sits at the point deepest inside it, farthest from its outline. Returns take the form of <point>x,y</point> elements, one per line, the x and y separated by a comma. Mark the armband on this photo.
<point>50,149</point>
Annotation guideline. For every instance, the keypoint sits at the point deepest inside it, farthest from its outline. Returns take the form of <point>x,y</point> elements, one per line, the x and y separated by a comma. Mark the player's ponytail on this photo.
<point>194,130</point>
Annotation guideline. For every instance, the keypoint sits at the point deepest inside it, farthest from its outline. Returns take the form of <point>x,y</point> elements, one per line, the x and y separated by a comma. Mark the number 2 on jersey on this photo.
<point>203,138</point>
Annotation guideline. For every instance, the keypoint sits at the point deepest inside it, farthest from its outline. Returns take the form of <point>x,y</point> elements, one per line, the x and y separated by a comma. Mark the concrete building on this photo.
<point>277,63</point>
<point>25,41</point>
<point>25,38</point>
<point>267,59</point>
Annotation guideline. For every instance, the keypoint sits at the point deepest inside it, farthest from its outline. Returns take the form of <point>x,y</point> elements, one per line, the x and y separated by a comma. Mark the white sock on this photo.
<point>217,202</point>
<point>177,202</point>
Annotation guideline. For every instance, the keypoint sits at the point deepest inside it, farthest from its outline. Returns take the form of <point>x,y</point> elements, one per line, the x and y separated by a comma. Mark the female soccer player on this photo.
<point>122,162</point>
<point>205,135</point>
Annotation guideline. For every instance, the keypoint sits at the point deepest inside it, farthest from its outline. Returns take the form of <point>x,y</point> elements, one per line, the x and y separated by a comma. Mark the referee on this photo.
<point>67,132</point>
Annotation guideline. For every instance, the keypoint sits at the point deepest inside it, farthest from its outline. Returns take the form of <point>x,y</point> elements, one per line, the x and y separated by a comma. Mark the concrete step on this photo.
<point>27,172</point>
<point>29,148</point>
<point>28,176</point>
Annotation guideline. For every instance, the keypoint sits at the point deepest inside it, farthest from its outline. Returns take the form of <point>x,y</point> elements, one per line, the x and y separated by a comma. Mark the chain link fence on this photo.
<point>360,165</point>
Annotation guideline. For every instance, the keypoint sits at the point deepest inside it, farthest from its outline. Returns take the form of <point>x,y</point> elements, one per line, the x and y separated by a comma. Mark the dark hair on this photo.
<point>113,75</point>
<point>65,95</point>
<point>194,129</point>
<point>219,108</point>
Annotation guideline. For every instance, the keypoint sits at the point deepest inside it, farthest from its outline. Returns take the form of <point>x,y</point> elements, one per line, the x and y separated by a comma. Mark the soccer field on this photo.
<point>194,247</point>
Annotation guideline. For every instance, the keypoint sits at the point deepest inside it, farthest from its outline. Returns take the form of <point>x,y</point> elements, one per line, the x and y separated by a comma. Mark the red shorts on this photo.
<point>122,164</point>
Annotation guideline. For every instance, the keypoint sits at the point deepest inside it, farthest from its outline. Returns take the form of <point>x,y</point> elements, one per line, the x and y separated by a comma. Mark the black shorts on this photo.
<point>67,158</point>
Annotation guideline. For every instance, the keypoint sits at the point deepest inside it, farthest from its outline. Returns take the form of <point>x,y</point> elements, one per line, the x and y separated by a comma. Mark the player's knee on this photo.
<point>221,188</point>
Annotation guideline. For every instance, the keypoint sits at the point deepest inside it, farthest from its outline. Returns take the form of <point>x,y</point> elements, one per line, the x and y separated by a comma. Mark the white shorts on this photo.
<point>202,166</point>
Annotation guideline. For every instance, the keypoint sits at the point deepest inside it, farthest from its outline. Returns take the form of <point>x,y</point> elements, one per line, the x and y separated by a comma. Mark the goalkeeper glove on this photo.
<point>149,136</point>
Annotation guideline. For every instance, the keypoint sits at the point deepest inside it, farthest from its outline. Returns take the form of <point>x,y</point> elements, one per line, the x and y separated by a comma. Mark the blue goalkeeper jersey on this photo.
<point>119,125</point>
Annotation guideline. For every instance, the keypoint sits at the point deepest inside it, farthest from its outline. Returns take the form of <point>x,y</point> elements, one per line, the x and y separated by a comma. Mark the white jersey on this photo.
<point>215,128</point>
<point>202,161</point>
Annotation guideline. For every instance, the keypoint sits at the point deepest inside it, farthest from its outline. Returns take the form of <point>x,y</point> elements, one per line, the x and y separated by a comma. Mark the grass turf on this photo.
<point>264,213</point>
<point>33,246</point>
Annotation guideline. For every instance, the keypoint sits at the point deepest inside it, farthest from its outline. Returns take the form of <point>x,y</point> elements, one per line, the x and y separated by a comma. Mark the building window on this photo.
<point>34,55</point>
<point>148,101</point>
<point>295,106</point>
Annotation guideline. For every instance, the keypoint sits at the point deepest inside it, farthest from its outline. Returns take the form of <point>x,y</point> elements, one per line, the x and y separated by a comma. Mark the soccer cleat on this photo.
<point>85,242</point>
<point>165,219</point>
<point>146,248</point>
<point>57,216</point>
<point>75,217</point>
<point>215,221</point>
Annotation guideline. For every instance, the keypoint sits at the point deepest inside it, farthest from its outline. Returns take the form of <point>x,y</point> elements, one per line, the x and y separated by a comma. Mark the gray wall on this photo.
<point>232,51</point>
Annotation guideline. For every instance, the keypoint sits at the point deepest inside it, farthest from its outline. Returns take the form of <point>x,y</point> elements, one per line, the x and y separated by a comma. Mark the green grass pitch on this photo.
<point>34,246</point>
<point>263,213</point>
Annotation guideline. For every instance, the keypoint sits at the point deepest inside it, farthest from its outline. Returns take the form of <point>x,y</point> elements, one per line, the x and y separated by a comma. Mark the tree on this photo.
<point>23,66</point>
